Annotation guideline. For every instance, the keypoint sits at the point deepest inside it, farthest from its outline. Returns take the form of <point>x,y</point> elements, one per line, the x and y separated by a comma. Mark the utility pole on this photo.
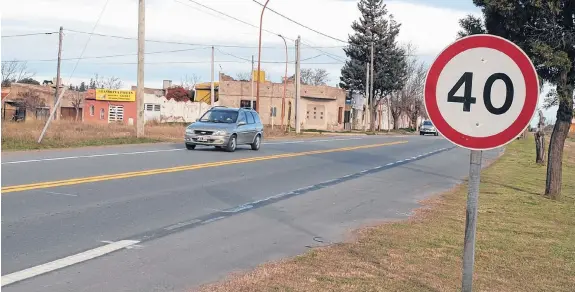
<point>58,83</point>
<point>366,100</point>
<point>372,93</point>
<point>140,122</point>
<point>285,84</point>
<point>297,85</point>
<point>212,94</point>
<point>252,83</point>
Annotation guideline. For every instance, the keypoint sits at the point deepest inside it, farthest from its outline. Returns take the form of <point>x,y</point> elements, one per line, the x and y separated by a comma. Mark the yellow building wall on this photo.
<point>203,92</point>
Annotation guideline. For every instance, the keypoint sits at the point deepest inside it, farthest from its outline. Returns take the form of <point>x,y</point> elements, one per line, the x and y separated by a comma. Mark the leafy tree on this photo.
<point>178,93</point>
<point>71,87</point>
<point>379,28</point>
<point>29,81</point>
<point>545,30</point>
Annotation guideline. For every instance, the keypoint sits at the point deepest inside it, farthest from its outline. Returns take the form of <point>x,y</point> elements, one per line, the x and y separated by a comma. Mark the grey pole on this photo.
<point>140,96</point>
<point>471,220</point>
<point>58,83</point>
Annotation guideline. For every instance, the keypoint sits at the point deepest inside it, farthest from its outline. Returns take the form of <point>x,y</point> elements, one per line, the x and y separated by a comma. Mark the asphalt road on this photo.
<point>161,218</point>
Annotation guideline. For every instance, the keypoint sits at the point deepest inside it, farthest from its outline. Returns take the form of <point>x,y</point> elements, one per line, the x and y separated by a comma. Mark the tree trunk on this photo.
<point>557,141</point>
<point>396,122</point>
<point>373,117</point>
<point>77,113</point>
<point>540,147</point>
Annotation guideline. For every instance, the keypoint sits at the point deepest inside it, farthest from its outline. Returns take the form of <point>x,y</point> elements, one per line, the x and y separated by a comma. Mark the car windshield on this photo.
<point>220,116</point>
<point>427,123</point>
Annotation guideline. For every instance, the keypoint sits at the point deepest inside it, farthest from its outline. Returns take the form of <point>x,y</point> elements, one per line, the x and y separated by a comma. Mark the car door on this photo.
<point>242,130</point>
<point>251,127</point>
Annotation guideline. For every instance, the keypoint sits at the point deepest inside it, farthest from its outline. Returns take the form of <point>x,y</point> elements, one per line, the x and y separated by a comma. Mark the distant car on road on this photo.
<point>226,128</point>
<point>427,128</point>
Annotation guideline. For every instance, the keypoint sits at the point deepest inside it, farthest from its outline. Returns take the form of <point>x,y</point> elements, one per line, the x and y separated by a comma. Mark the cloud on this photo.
<point>186,22</point>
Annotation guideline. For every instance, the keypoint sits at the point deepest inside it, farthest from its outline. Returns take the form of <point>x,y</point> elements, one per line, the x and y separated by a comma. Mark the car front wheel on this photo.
<point>232,144</point>
<point>190,146</point>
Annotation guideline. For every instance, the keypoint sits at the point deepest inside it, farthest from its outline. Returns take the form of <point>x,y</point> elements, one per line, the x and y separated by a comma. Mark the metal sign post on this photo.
<point>480,93</point>
<point>471,219</point>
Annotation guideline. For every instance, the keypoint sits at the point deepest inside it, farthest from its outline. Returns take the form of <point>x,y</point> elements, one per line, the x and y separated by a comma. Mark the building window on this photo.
<point>152,107</point>
<point>116,113</point>
<point>102,114</point>
<point>248,104</point>
<point>92,110</point>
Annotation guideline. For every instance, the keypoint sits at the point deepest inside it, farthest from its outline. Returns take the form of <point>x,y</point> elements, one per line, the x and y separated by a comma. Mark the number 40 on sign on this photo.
<point>481,92</point>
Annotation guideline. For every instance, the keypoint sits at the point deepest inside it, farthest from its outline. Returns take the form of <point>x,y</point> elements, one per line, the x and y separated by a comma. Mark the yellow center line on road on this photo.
<point>75,181</point>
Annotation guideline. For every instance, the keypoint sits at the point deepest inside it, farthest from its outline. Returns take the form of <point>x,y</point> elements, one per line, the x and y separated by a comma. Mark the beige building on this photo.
<point>320,108</point>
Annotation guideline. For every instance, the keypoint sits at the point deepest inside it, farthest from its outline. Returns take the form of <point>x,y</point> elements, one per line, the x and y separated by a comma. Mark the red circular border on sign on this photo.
<point>529,107</point>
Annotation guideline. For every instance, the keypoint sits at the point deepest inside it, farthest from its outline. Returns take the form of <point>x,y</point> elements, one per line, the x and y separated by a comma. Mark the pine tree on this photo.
<point>92,84</point>
<point>71,87</point>
<point>82,87</point>
<point>375,26</point>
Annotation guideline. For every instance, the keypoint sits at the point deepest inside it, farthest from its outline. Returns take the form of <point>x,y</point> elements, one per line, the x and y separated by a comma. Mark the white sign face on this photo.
<point>473,118</point>
<point>481,92</point>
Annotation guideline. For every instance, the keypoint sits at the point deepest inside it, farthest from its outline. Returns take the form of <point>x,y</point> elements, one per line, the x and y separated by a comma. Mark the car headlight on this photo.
<point>220,133</point>
<point>189,131</point>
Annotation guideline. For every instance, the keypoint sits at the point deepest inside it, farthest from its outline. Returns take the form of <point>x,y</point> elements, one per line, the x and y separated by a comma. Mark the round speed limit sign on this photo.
<point>481,92</point>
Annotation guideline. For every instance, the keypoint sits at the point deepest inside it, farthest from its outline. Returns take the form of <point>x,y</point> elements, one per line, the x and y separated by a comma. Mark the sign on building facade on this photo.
<point>115,95</point>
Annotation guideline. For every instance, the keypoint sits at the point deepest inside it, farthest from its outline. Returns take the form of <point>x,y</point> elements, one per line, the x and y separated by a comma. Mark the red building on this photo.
<point>109,106</point>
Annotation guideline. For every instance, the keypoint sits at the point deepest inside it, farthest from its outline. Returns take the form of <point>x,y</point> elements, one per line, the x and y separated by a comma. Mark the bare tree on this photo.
<point>111,82</point>
<point>13,71</point>
<point>189,82</point>
<point>76,99</point>
<point>31,100</point>
<point>314,76</point>
<point>243,76</point>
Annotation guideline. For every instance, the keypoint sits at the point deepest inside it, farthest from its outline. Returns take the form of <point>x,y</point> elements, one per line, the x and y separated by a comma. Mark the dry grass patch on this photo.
<point>65,134</point>
<point>525,242</point>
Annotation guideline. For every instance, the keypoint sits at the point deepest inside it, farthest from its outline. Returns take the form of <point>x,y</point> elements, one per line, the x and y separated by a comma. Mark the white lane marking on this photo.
<point>165,150</point>
<point>90,156</point>
<point>65,262</point>
<point>63,194</point>
<point>181,224</point>
<point>214,219</point>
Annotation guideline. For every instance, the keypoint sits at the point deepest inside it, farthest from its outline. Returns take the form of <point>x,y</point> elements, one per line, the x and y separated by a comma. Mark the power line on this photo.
<point>237,19</point>
<point>221,61</point>
<point>113,56</point>
<point>302,25</point>
<point>29,34</point>
<point>192,44</point>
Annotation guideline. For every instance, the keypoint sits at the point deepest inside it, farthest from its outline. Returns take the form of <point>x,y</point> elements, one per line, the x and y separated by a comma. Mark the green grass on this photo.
<point>525,241</point>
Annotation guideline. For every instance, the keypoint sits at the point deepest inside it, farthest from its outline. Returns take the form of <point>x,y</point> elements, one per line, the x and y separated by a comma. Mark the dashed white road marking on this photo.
<point>62,194</point>
<point>67,261</point>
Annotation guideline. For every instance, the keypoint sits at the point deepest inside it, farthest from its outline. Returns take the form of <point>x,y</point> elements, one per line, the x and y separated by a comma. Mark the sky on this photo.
<point>180,35</point>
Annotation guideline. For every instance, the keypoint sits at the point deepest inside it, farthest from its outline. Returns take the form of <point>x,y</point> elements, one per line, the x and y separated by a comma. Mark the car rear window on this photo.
<point>251,119</point>
<point>257,118</point>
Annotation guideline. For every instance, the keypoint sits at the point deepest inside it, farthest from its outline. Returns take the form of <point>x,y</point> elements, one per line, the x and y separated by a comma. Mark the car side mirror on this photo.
<point>197,120</point>
<point>241,123</point>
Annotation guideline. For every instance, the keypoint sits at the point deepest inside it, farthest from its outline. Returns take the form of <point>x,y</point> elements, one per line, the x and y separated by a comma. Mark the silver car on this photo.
<point>226,128</point>
<point>427,128</point>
